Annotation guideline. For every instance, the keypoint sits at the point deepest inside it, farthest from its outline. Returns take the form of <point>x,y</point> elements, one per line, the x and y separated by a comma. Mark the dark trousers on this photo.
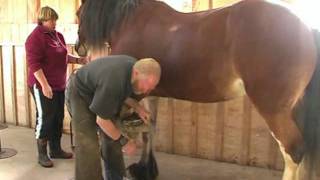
<point>49,114</point>
<point>112,157</point>
<point>87,149</point>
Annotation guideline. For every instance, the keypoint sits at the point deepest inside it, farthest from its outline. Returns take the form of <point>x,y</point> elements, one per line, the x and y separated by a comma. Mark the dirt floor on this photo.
<point>24,165</point>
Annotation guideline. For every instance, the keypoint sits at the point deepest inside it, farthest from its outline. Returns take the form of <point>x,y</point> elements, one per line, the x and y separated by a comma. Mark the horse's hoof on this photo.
<point>139,171</point>
<point>297,154</point>
<point>135,171</point>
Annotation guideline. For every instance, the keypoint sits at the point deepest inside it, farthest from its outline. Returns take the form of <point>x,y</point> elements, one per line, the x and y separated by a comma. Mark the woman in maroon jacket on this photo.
<point>47,60</point>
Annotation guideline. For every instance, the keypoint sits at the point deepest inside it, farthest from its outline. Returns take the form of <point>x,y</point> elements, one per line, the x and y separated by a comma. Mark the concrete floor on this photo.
<point>24,165</point>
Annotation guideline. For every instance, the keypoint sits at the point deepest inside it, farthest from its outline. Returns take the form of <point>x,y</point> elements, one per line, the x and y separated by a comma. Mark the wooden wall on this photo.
<point>19,17</point>
<point>229,131</point>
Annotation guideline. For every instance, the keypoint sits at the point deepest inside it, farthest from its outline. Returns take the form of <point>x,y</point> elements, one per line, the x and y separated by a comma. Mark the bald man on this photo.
<point>94,96</point>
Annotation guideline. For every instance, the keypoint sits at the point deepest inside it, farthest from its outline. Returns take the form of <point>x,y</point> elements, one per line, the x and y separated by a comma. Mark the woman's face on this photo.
<point>50,24</point>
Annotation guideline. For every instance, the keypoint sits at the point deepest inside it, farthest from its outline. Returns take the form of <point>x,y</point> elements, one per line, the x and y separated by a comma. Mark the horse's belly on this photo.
<point>204,92</point>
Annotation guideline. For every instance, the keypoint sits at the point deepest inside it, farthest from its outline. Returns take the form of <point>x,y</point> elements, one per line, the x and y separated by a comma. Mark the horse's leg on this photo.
<point>290,166</point>
<point>275,68</point>
<point>147,168</point>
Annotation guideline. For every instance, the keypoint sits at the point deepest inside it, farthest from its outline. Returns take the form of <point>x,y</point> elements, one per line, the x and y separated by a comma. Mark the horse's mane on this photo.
<point>98,18</point>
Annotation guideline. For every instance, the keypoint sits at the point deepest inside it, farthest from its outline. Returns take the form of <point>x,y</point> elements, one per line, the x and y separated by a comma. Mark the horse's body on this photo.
<point>253,47</point>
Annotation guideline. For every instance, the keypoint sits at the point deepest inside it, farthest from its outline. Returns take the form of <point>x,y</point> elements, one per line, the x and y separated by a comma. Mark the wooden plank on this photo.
<point>5,33</point>
<point>7,59</point>
<point>27,100</point>
<point>77,6</point>
<point>223,3</point>
<point>273,153</point>
<point>2,104</point>
<point>164,133</point>
<point>67,11</point>
<point>210,4</point>
<point>206,130</point>
<point>51,3</point>
<point>4,11</point>
<point>279,163</point>
<point>182,127</point>
<point>33,7</point>
<point>171,124</point>
<point>27,96</point>
<point>232,131</point>
<point>259,144</point>
<point>33,111</point>
<point>219,140</point>
<point>200,5</point>
<point>14,87</point>
<point>19,12</point>
<point>194,129</point>
<point>20,81</point>
<point>246,131</point>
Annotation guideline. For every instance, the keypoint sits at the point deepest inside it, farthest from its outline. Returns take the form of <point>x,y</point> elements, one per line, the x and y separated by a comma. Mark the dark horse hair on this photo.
<point>108,14</point>
<point>308,118</point>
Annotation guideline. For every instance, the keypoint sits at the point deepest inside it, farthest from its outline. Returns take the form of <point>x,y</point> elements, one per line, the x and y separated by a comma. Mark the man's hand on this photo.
<point>143,114</point>
<point>47,91</point>
<point>130,148</point>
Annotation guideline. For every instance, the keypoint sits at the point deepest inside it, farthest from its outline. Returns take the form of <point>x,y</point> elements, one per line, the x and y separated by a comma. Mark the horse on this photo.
<point>253,47</point>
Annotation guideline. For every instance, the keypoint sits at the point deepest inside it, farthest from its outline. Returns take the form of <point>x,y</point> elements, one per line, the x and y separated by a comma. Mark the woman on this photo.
<point>47,59</point>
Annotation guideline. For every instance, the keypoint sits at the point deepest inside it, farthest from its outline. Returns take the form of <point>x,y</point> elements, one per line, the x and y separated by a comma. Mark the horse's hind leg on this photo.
<point>278,114</point>
<point>291,168</point>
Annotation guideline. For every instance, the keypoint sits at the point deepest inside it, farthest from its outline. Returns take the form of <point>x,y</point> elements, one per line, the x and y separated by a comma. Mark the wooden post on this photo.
<point>14,86</point>
<point>2,105</point>
<point>33,9</point>
<point>194,4</point>
<point>27,96</point>
<point>210,4</point>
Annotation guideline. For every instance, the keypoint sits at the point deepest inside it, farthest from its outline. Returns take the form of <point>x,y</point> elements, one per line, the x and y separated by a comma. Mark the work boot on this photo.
<point>43,158</point>
<point>56,151</point>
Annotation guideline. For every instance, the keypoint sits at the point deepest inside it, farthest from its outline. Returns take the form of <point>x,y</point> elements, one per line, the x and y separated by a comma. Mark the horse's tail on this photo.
<point>308,118</point>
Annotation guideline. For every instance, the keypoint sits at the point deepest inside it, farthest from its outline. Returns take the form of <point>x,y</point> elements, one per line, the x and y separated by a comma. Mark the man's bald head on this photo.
<point>146,75</point>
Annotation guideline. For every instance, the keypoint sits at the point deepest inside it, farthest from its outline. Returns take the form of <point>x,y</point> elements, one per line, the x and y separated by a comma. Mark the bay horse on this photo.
<point>253,47</point>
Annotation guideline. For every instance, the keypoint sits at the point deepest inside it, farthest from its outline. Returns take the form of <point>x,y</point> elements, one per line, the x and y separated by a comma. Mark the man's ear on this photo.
<point>134,74</point>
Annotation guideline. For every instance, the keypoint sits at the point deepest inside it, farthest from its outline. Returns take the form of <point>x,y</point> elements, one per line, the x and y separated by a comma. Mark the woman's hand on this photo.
<point>84,60</point>
<point>47,91</point>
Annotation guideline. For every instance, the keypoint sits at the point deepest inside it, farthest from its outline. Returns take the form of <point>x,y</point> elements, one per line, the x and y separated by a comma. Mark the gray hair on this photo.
<point>148,66</point>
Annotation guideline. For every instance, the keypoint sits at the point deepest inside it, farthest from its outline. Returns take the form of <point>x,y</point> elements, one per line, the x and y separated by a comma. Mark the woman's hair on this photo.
<point>47,13</point>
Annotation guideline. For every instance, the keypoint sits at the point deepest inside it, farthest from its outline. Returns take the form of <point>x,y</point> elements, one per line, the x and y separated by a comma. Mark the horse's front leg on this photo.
<point>146,168</point>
